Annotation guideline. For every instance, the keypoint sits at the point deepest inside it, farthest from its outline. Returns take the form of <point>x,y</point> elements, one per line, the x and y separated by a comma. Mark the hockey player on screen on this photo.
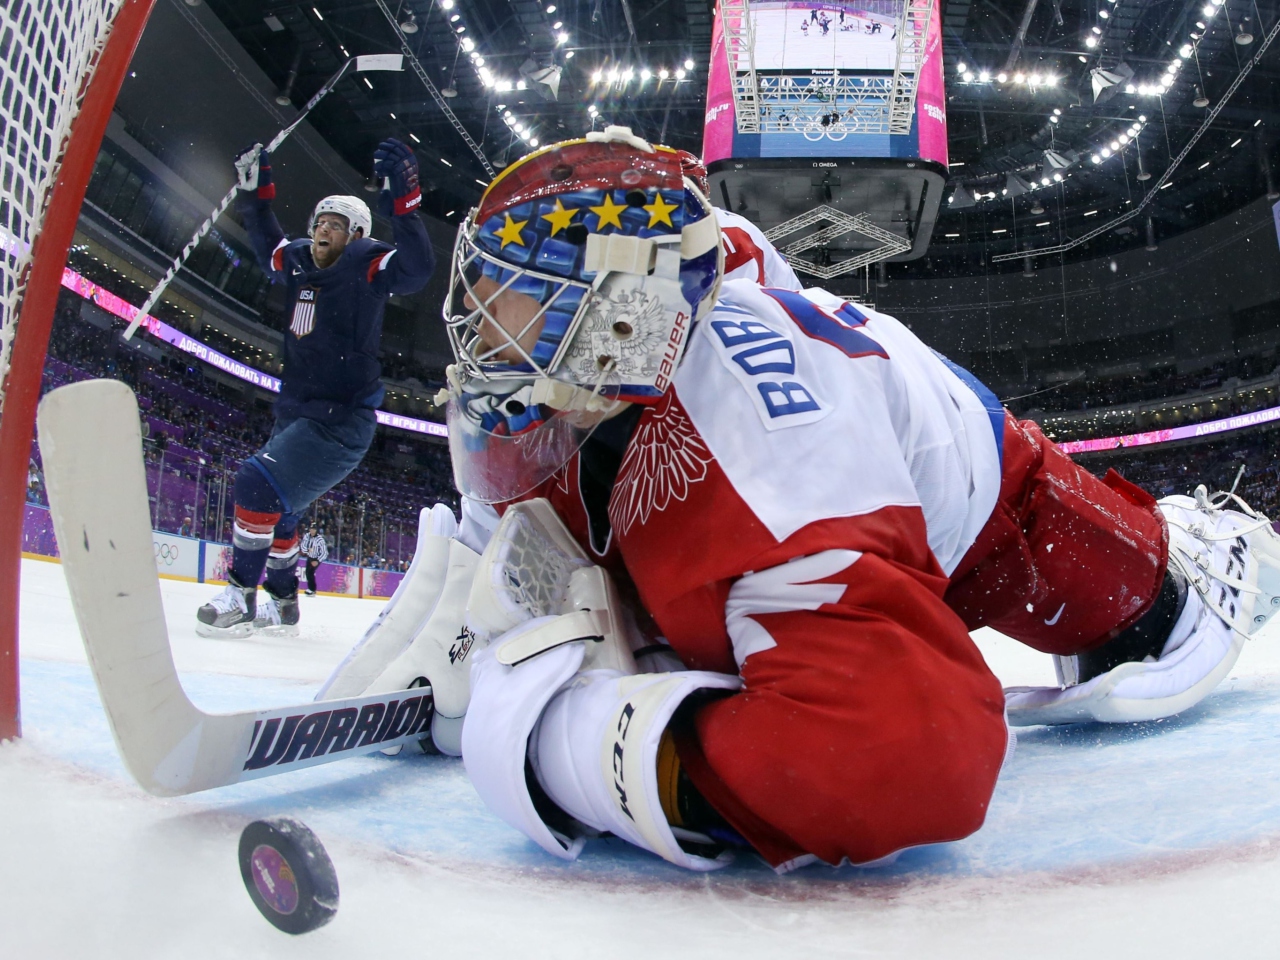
<point>337,284</point>
<point>806,511</point>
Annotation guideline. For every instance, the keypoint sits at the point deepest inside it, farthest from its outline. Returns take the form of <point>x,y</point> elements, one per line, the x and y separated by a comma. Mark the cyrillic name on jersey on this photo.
<point>764,362</point>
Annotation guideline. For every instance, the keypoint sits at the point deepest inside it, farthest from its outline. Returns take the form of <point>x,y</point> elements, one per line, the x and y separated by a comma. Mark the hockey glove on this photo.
<point>253,170</point>
<point>395,162</point>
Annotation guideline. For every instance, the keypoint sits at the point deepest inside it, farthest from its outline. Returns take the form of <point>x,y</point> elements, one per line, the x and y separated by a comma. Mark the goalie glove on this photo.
<point>395,162</point>
<point>558,693</point>
<point>253,172</point>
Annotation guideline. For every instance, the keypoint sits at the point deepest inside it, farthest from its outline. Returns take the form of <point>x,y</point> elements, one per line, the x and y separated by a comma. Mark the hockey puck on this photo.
<point>288,874</point>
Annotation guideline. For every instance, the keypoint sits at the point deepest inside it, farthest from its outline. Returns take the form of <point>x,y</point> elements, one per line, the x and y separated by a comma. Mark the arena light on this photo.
<point>1090,42</point>
<point>961,198</point>
<point>1015,186</point>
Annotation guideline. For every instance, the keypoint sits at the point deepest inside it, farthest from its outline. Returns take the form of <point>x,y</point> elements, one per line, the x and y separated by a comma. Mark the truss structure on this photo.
<point>837,224</point>
<point>828,107</point>
<point>740,45</point>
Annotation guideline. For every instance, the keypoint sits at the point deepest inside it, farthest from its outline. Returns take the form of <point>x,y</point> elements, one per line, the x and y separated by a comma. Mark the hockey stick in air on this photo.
<point>365,64</point>
<point>91,444</point>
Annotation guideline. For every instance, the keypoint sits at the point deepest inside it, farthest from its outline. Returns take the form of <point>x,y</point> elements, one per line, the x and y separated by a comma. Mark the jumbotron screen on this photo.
<point>795,35</point>
<point>824,71</point>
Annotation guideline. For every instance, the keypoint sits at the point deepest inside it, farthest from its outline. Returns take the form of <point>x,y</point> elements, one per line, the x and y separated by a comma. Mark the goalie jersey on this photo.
<point>791,512</point>
<point>798,424</point>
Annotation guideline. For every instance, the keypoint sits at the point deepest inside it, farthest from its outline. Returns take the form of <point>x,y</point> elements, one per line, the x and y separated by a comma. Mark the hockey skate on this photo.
<point>1223,585</point>
<point>277,616</point>
<point>229,615</point>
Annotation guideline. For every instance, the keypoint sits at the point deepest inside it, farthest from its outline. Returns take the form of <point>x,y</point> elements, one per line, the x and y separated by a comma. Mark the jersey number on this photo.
<point>839,328</point>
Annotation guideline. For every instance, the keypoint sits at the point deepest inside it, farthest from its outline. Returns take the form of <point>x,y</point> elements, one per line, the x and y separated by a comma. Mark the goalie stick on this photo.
<point>364,64</point>
<point>91,444</point>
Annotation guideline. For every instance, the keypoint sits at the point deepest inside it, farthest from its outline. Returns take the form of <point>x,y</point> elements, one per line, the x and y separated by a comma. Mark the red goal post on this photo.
<point>61,66</point>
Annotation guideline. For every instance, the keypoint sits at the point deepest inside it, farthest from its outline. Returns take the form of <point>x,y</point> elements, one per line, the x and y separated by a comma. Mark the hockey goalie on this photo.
<point>724,543</point>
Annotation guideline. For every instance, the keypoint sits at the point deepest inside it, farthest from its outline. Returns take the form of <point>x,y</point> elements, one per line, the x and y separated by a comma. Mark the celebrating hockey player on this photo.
<point>792,502</point>
<point>338,282</point>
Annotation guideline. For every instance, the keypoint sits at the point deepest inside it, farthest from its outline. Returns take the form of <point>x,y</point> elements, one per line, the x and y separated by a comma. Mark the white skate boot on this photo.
<point>230,614</point>
<point>277,616</point>
<point>1223,586</point>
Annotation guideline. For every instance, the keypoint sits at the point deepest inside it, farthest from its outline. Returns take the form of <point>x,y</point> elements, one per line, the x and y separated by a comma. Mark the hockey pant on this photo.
<point>870,723</point>
<point>302,460</point>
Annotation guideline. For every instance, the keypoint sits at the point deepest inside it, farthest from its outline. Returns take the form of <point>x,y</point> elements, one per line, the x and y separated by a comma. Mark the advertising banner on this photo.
<point>177,557</point>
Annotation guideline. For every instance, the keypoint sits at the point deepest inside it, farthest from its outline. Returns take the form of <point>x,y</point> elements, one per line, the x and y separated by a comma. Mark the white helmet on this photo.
<point>353,208</point>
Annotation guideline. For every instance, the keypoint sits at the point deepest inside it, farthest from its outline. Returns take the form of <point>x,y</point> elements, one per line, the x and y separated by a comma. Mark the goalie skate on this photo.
<point>1230,556</point>
<point>1231,562</point>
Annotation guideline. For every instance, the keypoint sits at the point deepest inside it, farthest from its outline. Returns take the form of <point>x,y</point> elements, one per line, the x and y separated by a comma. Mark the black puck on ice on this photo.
<point>288,874</point>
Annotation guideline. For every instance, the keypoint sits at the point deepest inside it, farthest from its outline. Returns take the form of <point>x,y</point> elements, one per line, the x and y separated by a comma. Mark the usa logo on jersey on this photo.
<point>304,312</point>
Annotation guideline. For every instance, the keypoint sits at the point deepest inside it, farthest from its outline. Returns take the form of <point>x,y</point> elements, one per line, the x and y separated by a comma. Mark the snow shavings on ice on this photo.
<point>1155,839</point>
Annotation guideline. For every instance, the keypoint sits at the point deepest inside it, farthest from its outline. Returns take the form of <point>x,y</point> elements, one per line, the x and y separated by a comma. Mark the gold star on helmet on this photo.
<point>659,212</point>
<point>609,212</point>
<point>510,232</point>
<point>559,218</point>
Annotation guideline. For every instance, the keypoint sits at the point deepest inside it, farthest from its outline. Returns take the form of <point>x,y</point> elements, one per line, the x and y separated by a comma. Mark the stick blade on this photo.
<point>91,445</point>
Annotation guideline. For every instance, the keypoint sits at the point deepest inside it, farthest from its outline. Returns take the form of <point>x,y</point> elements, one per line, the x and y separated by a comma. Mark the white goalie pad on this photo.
<point>406,611</point>
<point>422,633</point>
<point>1199,654</point>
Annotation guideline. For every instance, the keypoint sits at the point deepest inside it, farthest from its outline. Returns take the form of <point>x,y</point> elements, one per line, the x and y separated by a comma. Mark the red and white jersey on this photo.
<point>798,426</point>
<point>749,256</point>
<point>790,512</point>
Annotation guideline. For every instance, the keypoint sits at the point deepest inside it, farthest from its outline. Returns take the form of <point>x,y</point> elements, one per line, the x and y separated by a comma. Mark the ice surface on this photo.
<point>1154,839</point>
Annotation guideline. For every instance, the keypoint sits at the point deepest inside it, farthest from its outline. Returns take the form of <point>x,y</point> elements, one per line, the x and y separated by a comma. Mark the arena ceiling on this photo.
<point>1022,106</point>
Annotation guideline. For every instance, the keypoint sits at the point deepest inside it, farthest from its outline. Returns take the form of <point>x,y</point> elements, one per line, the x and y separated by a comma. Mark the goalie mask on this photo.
<point>574,287</point>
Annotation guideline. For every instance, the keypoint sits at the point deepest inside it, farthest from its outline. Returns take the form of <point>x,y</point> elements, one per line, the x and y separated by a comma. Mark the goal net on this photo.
<point>61,65</point>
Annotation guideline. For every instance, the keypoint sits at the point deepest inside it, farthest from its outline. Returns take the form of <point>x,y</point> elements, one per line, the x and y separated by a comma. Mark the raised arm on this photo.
<point>407,268</point>
<point>253,168</point>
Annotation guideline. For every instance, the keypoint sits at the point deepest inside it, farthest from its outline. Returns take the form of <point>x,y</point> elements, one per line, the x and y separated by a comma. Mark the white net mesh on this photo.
<point>47,49</point>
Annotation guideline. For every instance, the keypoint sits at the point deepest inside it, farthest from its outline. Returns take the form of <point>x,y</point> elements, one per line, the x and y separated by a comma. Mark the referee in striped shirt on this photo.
<point>314,548</point>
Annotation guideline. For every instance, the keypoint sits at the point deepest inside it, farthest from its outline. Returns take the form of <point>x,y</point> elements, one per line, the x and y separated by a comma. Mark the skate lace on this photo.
<point>269,611</point>
<point>229,599</point>
<point>1197,566</point>
<point>1214,505</point>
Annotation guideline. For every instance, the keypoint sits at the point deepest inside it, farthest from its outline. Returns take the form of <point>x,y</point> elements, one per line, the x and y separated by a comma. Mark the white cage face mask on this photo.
<point>508,437</point>
<point>496,335</point>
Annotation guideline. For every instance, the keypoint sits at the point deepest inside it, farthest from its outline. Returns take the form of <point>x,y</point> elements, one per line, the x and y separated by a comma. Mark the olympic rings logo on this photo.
<point>815,131</point>
<point>166,553</point>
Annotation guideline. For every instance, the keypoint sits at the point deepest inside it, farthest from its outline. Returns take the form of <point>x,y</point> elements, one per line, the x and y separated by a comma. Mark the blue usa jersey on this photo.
<point>335,314</point>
